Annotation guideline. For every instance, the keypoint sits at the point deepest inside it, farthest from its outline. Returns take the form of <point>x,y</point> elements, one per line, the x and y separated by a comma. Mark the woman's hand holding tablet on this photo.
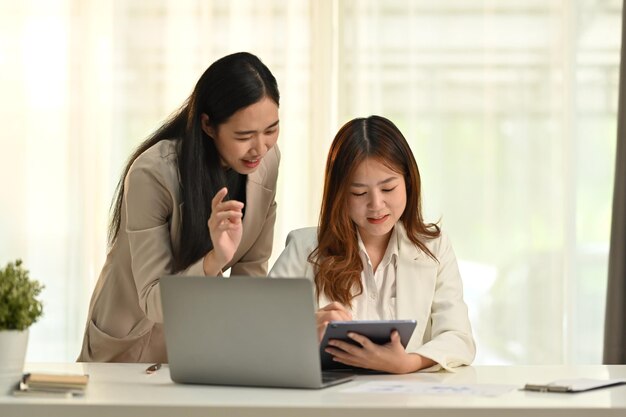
<point>350,344</point>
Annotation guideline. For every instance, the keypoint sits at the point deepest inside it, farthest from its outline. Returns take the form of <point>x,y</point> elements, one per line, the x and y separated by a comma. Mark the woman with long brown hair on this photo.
<point>373,257</point>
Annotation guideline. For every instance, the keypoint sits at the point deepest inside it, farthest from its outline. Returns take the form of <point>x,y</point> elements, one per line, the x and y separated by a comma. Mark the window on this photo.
<point>510,108</point>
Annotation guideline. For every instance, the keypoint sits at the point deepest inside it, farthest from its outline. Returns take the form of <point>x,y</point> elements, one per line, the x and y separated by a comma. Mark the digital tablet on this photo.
<point>378,331</point>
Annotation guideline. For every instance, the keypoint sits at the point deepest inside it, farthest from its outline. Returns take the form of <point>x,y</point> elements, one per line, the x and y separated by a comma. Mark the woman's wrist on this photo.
<point>210,265</point>
<point>411,363</point>
<point>415,362</point>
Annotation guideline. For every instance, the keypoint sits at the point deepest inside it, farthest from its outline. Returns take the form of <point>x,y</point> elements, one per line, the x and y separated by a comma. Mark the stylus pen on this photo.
<point>153,368</point>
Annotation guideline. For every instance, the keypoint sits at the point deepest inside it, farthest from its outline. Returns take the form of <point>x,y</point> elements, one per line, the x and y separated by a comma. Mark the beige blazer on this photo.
<point>426,291</point>
<point>125,316</point>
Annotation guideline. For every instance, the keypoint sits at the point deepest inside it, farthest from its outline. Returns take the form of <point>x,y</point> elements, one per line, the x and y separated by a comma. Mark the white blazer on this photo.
<point>427,291</point>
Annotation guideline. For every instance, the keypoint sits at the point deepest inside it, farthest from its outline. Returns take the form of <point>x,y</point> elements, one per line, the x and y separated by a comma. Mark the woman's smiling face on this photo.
<point>376,199</point>
<point>244,139</point>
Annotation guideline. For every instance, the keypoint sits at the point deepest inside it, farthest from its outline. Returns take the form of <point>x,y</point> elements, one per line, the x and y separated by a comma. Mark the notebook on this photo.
<point>243,331</point>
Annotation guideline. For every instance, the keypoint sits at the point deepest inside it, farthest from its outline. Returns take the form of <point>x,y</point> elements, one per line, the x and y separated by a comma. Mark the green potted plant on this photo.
<point>19,308</point>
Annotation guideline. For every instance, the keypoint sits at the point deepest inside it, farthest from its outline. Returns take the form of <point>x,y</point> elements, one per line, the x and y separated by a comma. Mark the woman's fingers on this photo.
<point>218,204</point>
<point>361,340</point>
<point>390,357</point>
<point>336,312</point>
<point>228,205</point>
<point>224,214</point>
<point>332,315</point>
<point>335,305</point>
<point>395,339</point>
<point>339,353</point>
<point>225,226</point>
<point>332,312</point>
<point>229,215</point>
<point>219,196</point>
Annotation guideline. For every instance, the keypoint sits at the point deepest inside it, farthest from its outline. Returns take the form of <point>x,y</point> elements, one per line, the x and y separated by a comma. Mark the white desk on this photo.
<point>124,389</point>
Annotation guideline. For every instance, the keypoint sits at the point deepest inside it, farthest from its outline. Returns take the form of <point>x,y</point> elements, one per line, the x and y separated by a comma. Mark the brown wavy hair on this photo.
<point>336,258</point>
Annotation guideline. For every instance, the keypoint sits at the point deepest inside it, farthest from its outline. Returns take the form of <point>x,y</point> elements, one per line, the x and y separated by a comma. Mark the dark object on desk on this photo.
<point>378,331</point>
<point>153,368</point>
<point>546,388</point>
<point>574,385</point>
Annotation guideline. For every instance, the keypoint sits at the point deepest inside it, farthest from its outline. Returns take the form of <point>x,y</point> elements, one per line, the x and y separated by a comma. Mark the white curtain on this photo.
<point>510,107</point>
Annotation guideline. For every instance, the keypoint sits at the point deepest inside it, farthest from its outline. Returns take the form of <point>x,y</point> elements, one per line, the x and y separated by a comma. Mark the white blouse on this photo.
<point>378,299</point>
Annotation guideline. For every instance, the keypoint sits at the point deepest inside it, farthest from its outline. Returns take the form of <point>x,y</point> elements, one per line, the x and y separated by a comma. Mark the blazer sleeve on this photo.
<point>452,343</point>
<point>293,260</point>
<point>148,205</point>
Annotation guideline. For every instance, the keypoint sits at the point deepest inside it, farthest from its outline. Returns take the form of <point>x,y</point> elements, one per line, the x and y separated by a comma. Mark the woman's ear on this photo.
<point>206,125</point>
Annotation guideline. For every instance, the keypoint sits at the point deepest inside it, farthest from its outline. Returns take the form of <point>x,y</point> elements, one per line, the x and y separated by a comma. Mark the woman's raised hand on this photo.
<point>225,228</point>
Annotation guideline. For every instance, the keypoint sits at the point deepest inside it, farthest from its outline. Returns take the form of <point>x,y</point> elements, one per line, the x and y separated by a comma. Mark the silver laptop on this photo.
<point>243,331</point>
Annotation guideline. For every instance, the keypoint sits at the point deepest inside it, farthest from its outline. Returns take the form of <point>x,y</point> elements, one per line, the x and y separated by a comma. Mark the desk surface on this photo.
<point>121,389</point>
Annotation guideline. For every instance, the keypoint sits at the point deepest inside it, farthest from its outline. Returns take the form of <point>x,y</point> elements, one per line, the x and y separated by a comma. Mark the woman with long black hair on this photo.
<point>196,198</point>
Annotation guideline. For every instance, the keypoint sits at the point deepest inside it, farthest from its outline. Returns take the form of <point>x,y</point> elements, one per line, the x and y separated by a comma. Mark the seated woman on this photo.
<point>373,257</point>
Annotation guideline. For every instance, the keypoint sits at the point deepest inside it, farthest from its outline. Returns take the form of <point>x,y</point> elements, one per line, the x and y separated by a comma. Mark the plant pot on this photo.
<point>12,353</point>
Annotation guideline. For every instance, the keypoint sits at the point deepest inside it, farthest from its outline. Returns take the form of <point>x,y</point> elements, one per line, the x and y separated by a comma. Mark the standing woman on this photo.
<point>374,258</point>
<point>196,198</point>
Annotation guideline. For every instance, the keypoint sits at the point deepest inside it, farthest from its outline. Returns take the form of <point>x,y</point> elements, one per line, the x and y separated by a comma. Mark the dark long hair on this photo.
<point>337,261</point>
<point>228,85</point>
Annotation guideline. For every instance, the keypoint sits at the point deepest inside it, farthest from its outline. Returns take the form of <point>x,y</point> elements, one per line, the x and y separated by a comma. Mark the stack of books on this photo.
<point>55,385</point>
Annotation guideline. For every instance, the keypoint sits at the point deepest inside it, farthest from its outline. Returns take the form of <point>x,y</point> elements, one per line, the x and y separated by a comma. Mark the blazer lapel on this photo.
<point>258,200</point>
<point>415,282</point>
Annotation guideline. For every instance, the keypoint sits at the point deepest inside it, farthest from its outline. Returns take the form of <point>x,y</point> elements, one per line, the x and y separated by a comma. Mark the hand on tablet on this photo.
<point>332,312</point>
<point>390,357</point>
